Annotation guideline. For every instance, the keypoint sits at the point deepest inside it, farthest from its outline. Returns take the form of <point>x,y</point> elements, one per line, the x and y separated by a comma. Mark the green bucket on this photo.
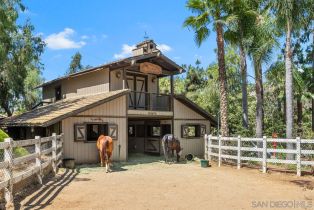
<point>204,163</point>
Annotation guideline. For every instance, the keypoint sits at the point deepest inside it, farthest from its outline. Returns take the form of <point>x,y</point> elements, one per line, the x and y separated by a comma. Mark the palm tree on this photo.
<point>239,24</point>
<point>260,51</point>
<point>291,15</point>
<point>206,12</point>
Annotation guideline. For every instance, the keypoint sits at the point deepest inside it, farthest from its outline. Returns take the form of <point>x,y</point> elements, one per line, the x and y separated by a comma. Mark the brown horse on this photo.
<point>171,144</point>
<point>105,148</point>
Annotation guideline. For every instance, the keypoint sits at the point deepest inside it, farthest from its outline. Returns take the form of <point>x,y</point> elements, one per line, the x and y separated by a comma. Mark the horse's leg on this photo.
<point>101,159</point>
<point>165,152</point>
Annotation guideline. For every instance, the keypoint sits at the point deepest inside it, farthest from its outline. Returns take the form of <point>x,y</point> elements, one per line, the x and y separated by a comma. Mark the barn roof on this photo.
<point>155,57</point>
<point>196,108</point>
<point>52,113</point>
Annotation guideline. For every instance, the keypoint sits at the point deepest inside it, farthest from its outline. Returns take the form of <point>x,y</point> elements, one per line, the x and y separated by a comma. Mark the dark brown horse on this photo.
<point>169,145</point>
<point>105,148</point>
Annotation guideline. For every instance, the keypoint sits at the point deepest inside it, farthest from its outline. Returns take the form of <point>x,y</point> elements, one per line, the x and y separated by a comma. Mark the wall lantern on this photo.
<point>118,74</point>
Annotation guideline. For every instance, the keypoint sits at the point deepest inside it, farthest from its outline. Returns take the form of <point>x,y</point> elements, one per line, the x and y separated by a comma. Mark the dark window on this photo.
<point>95,130</point>
<point>58,93</point>
<point>191,131</point>
<point>131,130</point>
<point>153,131</point>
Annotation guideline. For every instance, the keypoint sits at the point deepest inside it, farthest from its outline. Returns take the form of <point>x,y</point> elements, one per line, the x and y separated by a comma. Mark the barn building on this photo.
<point>120,99</point>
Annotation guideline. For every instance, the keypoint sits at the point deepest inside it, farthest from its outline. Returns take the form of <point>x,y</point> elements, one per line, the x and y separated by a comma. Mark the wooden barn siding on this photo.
<point>116,83</point>
<point>185,115</point>
<point>86,152</point>
<point>151,86</point>
<point>86,84</point>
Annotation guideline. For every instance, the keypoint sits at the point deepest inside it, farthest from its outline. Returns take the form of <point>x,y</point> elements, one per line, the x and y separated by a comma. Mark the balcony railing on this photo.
<point>149,101</point>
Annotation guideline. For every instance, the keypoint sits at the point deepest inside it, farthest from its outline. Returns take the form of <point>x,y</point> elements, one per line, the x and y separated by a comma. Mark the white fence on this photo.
<point>246,149</point>
<point>44,157</point>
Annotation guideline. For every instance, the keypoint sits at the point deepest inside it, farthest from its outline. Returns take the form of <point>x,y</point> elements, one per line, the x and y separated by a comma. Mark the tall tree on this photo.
<point>239,24</point>
<point>20,50</point>
<point>260,51</point>
<point>206,12</point>
<point>75,65</point>
<point>291,16</point>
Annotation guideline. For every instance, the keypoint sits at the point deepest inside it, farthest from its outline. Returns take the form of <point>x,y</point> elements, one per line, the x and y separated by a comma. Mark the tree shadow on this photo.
<point>47,192</point>
<point>306,184</point>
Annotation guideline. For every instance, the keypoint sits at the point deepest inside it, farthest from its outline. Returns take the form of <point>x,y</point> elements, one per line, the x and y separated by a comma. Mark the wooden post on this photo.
<point>298,156</point>
<point>209,137</point>
<point>8,191</point>
<point>264,154</point>
<point>38,159</point>
<point>54,153</point>
<point>206,147</point>
<point>239,153</point>
<point>219,151</point>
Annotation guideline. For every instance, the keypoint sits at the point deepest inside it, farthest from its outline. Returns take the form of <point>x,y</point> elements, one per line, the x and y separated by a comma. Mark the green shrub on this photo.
<point>3,135</point>
<point>17,151</point>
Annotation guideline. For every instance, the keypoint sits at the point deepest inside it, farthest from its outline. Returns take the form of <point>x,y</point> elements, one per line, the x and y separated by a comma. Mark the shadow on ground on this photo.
<point>135,161</point>
<point>44,195</point>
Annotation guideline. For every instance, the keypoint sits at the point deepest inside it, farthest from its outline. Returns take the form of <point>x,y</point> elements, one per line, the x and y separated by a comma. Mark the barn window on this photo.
<point>58,93</point>
<point>193,131</point>
<point>93,131</point>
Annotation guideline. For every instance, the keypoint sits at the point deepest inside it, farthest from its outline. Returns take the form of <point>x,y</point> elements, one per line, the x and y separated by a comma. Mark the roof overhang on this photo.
<point>169,67</point>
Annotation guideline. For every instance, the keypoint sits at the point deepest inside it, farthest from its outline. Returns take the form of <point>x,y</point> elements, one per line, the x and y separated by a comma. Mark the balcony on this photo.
<point>149,101</point>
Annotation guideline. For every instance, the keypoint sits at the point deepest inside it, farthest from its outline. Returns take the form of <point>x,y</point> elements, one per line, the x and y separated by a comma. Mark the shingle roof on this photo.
<point>52,113</point>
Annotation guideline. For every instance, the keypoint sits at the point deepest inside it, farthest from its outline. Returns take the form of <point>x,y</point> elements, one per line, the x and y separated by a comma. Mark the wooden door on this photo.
<point>137,98</point>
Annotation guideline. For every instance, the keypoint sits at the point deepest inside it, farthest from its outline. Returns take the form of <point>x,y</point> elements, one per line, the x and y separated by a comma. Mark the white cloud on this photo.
<point>84,37</point>
<point>163,47</point>
<point>62,40</point>
<point>126,51</point>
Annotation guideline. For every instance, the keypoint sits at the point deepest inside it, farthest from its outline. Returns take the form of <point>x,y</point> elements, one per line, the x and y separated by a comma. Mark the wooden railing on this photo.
<point>259,150</point>
<point>52,158</point>
<point>150,101</point>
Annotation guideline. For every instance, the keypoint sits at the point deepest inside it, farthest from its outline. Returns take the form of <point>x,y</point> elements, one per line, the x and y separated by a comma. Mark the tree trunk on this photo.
<point>259,98</point>
<point>289,89</point>
<point>300,113</point>
<point>245,121</point>
<point>259,102</point>
<point>312,91</point>
<point>222,80</point>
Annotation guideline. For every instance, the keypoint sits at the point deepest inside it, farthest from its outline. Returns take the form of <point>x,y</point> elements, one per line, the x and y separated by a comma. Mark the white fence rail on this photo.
<point>40,164</point>
<point>235,148</point>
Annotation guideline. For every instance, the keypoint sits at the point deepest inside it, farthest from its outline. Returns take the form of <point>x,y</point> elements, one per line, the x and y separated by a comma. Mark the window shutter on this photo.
<point>79,132</point>
<point>203,130</point>
<point>113,131</point>
<point>184,131</point>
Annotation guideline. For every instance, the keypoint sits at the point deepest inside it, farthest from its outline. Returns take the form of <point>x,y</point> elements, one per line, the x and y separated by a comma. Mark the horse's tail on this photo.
<point>104,147</point>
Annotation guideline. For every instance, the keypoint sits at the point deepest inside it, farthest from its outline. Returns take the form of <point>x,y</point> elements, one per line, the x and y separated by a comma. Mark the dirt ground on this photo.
<point>148,183</point>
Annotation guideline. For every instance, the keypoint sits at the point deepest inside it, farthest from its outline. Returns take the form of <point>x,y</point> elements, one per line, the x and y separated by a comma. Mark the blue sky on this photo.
<point>100,29</point>
<point>103,31</point>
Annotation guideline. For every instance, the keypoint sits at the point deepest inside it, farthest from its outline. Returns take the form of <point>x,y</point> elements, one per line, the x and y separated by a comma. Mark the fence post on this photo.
<point>264,154</point>
<point>209,143</point>
<point>38,159</point>
<point>8,191</point>
<point>54,153</point>
<point>298,156</point>
<point>206,147</point>
<point>219,150</point>
<point>239,153</point>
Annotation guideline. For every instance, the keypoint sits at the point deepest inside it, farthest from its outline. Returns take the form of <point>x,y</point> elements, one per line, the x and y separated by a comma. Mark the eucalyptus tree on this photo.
<point>291,16</point>
<point>205,13</point>
<point>19,49</point>
<point>75,64</point>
